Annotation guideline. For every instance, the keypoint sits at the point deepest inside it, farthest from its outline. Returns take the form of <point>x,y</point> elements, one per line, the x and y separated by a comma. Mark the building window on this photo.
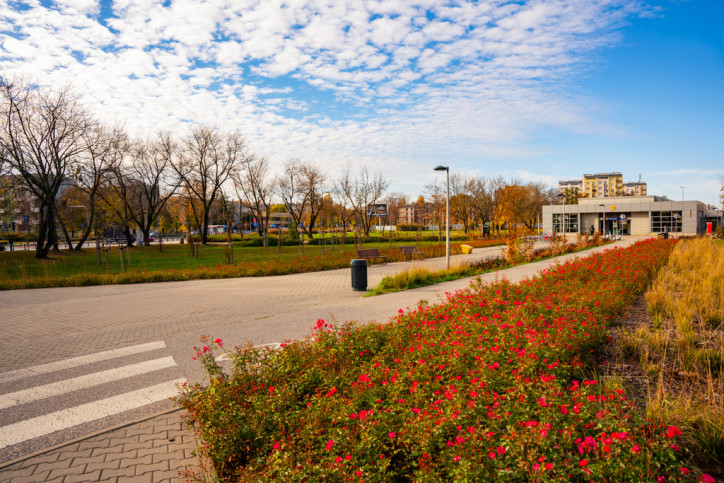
<point>666,221</point>
<point>571,222</point>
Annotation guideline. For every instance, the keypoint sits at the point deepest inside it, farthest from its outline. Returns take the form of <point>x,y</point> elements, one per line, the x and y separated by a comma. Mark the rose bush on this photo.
<point>488,386</point>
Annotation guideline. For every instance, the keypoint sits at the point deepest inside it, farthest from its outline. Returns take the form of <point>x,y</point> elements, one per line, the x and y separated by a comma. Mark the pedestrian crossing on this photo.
<point>42,400</point>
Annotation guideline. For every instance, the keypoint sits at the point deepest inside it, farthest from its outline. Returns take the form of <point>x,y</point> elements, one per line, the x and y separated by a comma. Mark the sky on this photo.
<point>537,90</point>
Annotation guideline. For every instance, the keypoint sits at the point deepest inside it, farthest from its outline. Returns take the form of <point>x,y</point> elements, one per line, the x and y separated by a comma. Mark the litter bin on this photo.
<point>359,274</point>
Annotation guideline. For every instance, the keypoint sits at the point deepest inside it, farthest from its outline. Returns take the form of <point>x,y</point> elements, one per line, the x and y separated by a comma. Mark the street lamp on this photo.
<point>561,195</point>
<point>682,192</point>
<point>447,214</point>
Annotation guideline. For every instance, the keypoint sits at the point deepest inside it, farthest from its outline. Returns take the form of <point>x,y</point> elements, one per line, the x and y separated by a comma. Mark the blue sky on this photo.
<point>538,90</point>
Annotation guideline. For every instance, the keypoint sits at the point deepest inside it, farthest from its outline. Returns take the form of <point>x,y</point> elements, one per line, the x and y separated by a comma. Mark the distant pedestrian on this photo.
<point>11,240</point>
<point>591,230</point>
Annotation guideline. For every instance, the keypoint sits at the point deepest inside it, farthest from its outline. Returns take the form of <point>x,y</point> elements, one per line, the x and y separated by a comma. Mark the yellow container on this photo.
<point>467,249</point>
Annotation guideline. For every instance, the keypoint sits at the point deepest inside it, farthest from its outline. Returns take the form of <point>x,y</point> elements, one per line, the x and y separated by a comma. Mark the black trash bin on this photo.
<point>359,274</point>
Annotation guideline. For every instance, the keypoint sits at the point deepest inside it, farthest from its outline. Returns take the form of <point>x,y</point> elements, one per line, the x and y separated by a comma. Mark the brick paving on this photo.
<point>153,450</point>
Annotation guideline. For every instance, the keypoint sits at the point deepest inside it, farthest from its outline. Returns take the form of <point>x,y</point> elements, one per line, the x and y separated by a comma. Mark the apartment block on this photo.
<point>634,189</point>
<point>602,185</point>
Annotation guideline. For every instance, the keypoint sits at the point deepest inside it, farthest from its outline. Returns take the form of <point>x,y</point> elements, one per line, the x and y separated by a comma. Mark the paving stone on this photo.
<point>136,461</point>
<point>103,465</point>
<point>121,472</point>
<point>87,476</point>
<point>165,476</point>
<point>171,455</point>
<point>122,454</point>
<point>63,472</point>
<point>58,465</point>
<point>147,478</point>
<point>160,435</point>
<point>93,444</point>
<point>160,466</point>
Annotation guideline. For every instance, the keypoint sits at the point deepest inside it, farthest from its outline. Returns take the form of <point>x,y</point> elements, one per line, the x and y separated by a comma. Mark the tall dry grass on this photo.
<point>685,344</point>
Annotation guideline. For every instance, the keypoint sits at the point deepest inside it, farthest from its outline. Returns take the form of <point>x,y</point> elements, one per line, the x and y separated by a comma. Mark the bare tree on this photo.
<point>301,188</point>
<point>150,173</point>
<point>40,134</point>
<point>255,188</point>
<point>437,200</point>
<point>208,159</point>
<point>394,202</point>
<point>102,153</point>
<point>362,192</point>
<point>461,200</point>
<point>482,203</point>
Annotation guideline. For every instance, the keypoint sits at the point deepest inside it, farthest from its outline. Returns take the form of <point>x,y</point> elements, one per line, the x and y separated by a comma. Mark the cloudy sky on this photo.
<point>539,90</point>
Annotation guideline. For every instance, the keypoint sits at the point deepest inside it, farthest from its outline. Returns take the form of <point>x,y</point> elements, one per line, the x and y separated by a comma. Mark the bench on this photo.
<point>370,254</point>
<point>411,251</point>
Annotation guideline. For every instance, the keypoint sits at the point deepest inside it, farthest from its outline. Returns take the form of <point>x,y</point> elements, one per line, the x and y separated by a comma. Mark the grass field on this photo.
<point>20,269</point>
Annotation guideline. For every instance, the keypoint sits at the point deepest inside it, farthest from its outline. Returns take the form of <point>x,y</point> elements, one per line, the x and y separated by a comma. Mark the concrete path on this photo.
<point>96,355</point>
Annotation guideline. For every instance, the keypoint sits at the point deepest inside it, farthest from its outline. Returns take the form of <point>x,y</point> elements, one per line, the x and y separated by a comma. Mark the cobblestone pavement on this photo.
<point>154,450</point>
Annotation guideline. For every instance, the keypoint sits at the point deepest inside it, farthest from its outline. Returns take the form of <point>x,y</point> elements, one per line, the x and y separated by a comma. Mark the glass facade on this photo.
<point>571,222</point>
<point>665,221</point>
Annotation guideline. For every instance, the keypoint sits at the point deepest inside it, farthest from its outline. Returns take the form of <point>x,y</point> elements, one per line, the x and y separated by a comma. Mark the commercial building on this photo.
<point>630,215</point>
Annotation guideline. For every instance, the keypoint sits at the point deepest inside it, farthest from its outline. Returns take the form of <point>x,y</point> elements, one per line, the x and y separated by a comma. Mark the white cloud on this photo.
<point>412,81</point>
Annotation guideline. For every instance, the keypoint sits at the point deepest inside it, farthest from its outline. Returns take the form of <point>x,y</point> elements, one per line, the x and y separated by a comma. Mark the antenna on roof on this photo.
<point>639,177</point>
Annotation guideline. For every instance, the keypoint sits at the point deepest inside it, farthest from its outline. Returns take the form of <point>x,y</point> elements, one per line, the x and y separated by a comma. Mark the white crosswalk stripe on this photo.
<point>79,361</point>
<point>82,382</point>
<point>39,404</point>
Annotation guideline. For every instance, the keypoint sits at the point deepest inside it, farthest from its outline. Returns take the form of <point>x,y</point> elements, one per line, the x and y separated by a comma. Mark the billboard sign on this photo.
<point>377,209</point>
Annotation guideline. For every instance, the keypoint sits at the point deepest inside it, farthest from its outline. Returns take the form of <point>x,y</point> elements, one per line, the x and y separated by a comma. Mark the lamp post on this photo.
<point>561,195</point>
<point>682,192</point>
<point>447,214</point>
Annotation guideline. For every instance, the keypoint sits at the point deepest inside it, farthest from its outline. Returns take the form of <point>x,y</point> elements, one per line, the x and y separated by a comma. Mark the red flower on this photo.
<point>391,435</point>
<point>582,463</point>
<point>673,431</point>
<point>707,478</point>
<point>330,443</point>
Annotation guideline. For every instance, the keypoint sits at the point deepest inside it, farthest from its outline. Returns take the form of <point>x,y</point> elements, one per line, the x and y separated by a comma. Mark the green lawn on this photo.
<point>20,269</point>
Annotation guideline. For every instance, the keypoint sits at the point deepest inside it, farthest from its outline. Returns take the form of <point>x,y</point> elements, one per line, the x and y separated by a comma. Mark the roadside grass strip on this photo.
<point>490,385</point>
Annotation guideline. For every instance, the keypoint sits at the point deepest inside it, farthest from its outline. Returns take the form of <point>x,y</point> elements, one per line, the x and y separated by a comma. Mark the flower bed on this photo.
<point>486,386</point>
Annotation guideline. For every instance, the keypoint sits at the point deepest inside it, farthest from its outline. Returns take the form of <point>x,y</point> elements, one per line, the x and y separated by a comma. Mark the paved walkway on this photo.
<point>152,450</point>
<point>75,321</point>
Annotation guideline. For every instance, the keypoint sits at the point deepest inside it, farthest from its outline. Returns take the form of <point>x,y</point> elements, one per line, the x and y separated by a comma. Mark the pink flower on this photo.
<point>455,458</point>
<point>707,478</point>
<point>330,443</point>
<point>276,445</point>
<point>359,473</point>
<point>338,459</point>
<point>501,450</point>
<point>635,449</point>
<point>582,463</point>
<point>673,431</point>
<point>684,471</point>
<point>391,435</point>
